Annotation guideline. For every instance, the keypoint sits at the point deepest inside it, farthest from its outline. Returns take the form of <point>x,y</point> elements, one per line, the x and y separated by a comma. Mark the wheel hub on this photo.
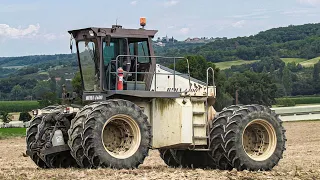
<point>121,136</point>
<point>259,140</point>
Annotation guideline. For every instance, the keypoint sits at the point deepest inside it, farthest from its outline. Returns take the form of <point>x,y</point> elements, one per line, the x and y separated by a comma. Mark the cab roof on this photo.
<point>116,31</point>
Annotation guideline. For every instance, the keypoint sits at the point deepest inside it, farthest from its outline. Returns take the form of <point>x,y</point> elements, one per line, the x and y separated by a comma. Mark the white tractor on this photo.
<point>135,104</point>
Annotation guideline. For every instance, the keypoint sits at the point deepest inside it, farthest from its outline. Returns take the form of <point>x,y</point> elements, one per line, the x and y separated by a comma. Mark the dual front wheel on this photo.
<point>113,134</point>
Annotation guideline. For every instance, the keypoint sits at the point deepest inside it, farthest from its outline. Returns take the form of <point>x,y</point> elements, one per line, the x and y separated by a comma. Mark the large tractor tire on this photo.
<point>45,131</point>
<point>247,137</point>
<point>170,157</point>
<point>61,160</point>
<point>32,131</point>
<point>116,134</point>
<point>186,158</point>
<point>75,137</point>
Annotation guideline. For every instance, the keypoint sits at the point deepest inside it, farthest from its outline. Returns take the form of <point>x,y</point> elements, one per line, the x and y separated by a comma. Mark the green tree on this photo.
<point>287,80</point>
<point>77,83</point>
<point>253,88</point>
<point>41,89</point>
<point>17,92</point>
<point>264,69</point>
<point>60,86</point>
<point>5,117</point>
<point>53,84</point>
<point>223,98</point>
<point>272,68</point>
<point>316,77</point>
<point>281,91</point>
<point>25,116</point>
<point>48,98</point>
<point>197,65</point>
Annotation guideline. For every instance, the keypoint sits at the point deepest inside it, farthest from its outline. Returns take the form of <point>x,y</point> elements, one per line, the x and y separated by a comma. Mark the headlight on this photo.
<point>35,112</point>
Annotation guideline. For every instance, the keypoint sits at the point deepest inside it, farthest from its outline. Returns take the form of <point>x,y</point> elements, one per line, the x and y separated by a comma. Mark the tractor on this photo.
<point>133,105</point>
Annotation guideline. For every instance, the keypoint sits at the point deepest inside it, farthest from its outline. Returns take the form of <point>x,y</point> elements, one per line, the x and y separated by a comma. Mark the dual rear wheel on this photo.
<point>247,137</point>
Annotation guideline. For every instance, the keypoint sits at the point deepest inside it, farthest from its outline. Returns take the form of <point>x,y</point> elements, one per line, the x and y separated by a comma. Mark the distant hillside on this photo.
<point>300,44</point>
<point>26,65</point>
<point>303,62</point>
<point>37,59</point>
<point>301,41</point>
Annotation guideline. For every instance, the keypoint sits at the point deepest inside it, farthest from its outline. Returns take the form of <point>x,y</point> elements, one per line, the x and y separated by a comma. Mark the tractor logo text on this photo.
<point>94,98</point>
<point>180,90</point>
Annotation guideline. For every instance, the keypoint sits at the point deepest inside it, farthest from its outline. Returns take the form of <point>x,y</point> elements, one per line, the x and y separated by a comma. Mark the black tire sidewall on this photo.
<point>104,156</point>
<point>274,158</point>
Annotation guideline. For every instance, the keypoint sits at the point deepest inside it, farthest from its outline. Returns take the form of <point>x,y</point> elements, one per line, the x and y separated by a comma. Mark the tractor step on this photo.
<point>199,121</point>
<point>198,113</point>
<point>194,99</point>
<point>199,125</point>
<point>200,137</point>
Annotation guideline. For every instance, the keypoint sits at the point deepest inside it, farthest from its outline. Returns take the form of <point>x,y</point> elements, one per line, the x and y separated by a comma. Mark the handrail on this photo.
<point>213,83</point>
<point>207,108</point>
<point>154,73</point>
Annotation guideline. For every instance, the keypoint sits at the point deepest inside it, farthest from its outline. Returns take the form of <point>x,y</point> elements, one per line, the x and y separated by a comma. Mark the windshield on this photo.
<point>141,49</point>
<point>89,61</point>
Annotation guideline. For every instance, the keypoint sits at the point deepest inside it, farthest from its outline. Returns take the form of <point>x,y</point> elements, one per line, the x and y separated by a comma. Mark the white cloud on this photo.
<point>31,32</point>
<point>239,24</point>
<point>11,32</point>
<point>133,3</point>
<point>309,2</point>
<point>184,31</point>
<point>169,3</point>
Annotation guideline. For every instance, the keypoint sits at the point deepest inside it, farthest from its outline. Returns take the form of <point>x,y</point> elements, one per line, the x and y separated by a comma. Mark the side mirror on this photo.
<point>72,47</point>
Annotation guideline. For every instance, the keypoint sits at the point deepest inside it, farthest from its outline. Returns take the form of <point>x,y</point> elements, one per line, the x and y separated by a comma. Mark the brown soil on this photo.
<point>301,161</point>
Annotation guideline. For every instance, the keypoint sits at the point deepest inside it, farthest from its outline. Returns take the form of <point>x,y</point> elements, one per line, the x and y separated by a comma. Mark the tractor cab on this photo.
<point>102,50</point>
<point>117,61</point>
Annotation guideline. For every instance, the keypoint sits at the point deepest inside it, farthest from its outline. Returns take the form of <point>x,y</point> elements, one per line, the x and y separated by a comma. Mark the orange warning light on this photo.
<point>143,21</point>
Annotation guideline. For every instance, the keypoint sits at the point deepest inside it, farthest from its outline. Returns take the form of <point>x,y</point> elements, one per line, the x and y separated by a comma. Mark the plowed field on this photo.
<point>301,161</point>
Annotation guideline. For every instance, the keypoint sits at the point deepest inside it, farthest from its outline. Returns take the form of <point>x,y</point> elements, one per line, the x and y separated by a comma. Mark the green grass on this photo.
<point>12,132</point>
<point>310,62</point>
<point>14,67</point>
<point>18,106</point>
<point>303,62</point>
<point>307,104</point>
<point>303,100</point>
<point>296,60</point>
<point>45,73</point>
<point>228,64</point>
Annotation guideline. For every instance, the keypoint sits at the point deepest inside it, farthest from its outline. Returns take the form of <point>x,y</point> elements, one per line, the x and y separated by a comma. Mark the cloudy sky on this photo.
<point>40,27</point>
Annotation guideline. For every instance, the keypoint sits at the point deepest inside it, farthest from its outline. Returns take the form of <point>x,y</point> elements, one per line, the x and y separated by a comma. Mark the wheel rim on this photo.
<point>121,136</point>
<point>259,140</point>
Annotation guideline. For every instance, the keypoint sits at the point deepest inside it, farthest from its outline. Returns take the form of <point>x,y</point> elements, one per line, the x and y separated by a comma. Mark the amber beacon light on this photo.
<point>143,21</point>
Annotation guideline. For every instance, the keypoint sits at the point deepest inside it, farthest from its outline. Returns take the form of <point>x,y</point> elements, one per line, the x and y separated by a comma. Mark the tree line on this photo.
<point>257,83</point>
<point>301,41</point>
